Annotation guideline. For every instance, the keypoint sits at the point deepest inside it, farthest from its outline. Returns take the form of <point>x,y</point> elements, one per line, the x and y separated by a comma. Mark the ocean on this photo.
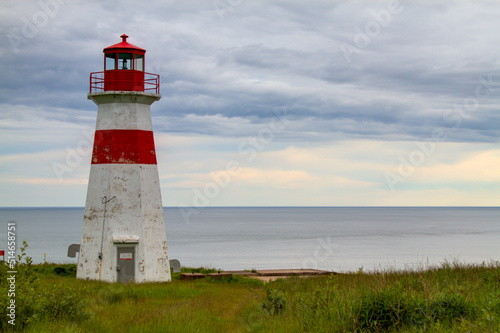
<point>331,238</point>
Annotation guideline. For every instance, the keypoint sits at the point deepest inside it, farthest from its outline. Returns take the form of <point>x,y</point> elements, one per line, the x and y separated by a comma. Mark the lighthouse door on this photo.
<point>125,265</point>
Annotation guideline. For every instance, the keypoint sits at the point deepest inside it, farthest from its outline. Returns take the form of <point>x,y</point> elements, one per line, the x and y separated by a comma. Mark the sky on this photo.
<point>264,103</point>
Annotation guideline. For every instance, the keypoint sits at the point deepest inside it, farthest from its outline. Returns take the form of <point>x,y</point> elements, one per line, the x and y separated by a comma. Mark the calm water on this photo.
<point>338,239</point>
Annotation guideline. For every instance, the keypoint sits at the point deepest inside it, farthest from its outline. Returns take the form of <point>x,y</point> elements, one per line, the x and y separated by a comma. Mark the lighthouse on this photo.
<point>123,233</point>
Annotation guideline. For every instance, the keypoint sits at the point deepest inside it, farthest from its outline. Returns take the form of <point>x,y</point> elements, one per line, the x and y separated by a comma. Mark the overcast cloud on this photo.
<point>359,82</point>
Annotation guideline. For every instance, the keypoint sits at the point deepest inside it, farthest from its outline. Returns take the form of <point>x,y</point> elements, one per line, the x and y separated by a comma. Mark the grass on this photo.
<point>451,298</point>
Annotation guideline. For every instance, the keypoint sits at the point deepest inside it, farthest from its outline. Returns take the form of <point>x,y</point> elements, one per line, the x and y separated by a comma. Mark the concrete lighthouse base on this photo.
<point>133,219</point>
<point>123,233</point>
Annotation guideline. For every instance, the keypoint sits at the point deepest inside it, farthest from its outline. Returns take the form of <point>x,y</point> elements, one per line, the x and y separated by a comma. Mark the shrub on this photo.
<point>381,311</point>
<point>32,302</point>
<point>26,296</point>
<point>275,301</point>
<point>389,309</point>
<point>450,308</point>
<point>62,271</point>
<point>317,310</point>
<point>62,304</point>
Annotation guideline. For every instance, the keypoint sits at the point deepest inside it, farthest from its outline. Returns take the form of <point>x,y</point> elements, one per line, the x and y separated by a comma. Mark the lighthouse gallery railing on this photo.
<point>151,82</point>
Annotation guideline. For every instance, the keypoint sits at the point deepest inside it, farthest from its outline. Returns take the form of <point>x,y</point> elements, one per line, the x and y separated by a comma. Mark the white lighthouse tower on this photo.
<point>123,234</point>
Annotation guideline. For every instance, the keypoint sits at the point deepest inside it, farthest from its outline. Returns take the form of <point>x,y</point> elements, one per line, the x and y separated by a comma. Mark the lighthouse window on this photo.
<point>124,61</point>
<point>110,61</point>
<point>139,62</point>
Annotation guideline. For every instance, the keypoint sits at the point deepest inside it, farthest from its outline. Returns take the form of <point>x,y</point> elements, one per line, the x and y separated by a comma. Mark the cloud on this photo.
<point>475,168</point>
<point>328,175</point>
<point>223,72</point>
<point>44,181</point>
<point>255,59</point>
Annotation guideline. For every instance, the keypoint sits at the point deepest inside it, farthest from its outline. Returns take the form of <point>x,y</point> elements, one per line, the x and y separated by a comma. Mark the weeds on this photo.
<point>386,310</point>
<point>464,298</point>
<point>275,301</point>
<point>34,303</point>
<point>117,294</point>
<point>62,304</point>
<point>452,298</point>
<point>382,311</point>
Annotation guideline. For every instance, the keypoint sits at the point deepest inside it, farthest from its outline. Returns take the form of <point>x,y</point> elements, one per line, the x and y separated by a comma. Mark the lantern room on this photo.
<point>124,65</point>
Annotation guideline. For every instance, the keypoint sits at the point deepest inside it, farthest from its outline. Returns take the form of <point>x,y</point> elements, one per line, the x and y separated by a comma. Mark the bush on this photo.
<point>318,310</point>
<point>26,296</point>
<point>381,311</point>
<point>275,301</point>
<point>62,271</point>
<point>32,302</point>
<point>62,304</point>
<point>390,309</point>
<point>450,308</point>
<point>328,305</point>
<point>202,270</point>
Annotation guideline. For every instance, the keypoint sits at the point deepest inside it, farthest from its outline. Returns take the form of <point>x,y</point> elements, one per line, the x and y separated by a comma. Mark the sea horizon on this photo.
<point>342,238</point>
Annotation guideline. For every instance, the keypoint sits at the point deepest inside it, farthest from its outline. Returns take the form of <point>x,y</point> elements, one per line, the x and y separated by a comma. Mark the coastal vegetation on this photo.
<point>453,297</point>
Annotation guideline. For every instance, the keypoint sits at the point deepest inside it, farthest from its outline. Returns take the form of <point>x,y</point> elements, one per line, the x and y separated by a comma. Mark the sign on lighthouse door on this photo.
<point>125,265</point>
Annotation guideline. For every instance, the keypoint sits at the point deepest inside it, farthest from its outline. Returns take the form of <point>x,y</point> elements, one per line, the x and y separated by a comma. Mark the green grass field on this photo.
<point>451,298</point>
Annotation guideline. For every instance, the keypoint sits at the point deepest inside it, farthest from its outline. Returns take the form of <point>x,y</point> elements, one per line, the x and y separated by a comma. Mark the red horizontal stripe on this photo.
<point>123,147</point>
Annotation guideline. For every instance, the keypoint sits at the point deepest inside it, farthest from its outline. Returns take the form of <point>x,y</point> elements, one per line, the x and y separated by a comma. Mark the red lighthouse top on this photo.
<point>124,65</point>
<point>123,46</point>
